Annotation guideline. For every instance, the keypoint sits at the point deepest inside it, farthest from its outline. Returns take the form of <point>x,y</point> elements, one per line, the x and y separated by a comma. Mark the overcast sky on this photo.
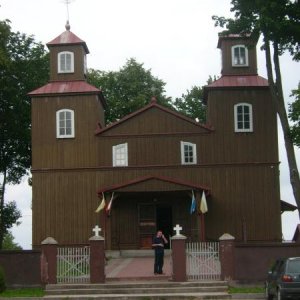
<point>176,39</point>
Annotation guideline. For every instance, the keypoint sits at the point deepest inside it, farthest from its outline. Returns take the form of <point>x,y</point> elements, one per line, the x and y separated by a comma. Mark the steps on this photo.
<point>140,290</point>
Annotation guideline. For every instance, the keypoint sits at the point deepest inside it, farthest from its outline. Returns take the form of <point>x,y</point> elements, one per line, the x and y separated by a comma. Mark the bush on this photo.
<point>2,280</point>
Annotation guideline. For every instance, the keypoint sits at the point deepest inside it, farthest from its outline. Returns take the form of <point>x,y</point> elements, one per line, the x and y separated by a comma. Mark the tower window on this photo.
<point>120,155</point>
<point>188,153</point>
<point>66,62</point>
<point>243,120</point>
<point>65,123</point>
<point>239,56</point>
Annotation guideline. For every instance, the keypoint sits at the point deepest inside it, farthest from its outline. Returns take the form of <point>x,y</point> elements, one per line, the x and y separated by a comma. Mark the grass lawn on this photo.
<point>30,292</point>
<point>246,290</point>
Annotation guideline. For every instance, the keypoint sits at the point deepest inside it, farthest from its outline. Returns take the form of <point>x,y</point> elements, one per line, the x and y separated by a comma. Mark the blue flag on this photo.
<point>193,204</point>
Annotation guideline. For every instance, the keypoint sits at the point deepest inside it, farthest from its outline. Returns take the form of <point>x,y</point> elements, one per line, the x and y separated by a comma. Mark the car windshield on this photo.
<point>293,266</point>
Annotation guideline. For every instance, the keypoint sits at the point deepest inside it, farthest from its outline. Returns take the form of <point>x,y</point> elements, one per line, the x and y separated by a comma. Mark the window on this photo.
<point>65,62</point>
<point>120,155</point>
<point>243,117</point>
<point>239,56</point>
<point>65,123</point>
<point>188,153</point>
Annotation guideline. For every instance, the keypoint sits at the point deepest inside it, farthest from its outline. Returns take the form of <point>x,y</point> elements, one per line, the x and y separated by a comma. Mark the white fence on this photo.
<point>73,265</point>
<point>203,261</point>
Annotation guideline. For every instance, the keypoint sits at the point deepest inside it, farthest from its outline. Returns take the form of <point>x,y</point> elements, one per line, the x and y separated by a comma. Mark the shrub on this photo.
<point>2,280</point>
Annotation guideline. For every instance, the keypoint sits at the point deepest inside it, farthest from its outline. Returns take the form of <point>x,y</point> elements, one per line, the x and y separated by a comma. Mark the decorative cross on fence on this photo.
<point>97,229</point>
<point>177,228</point>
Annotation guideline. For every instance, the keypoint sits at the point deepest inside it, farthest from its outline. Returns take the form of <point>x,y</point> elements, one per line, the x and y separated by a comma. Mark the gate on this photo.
<point>73,265</point>
<point>203,261</point>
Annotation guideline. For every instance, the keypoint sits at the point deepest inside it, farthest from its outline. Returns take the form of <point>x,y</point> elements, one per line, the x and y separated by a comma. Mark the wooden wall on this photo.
<point>64,202</point>
<point>79,54</point>
<point>240,169</point>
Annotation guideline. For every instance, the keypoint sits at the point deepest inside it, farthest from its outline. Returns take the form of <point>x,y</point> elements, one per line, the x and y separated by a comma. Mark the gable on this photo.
<point>153,184</point>
<point>154,119</point>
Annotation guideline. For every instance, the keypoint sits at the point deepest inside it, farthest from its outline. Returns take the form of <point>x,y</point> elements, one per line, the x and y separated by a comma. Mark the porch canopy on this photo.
<point>154,184</point>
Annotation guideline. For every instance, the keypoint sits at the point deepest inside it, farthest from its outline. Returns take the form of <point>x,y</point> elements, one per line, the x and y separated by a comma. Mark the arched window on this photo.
<point>243,119</point>
<point>65,62</point>
<point>65,123</point>
<point>239,55</point>
<point>188,153</point>
<point>120,155</point>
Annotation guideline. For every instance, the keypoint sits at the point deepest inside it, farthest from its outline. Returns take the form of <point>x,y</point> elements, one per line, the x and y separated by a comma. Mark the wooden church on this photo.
<point>149,165</point>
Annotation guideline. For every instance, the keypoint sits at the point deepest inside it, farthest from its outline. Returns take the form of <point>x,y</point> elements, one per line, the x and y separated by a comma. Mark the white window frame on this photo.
<point>118,160</point>
<point>59,126</point>
<point>194,155</point>
<point>62,68</point>
<point>236,121</point>
<point>236,64</point>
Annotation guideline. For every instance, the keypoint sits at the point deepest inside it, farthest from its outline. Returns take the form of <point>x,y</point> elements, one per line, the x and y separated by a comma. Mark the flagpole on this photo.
<point>202,227</point>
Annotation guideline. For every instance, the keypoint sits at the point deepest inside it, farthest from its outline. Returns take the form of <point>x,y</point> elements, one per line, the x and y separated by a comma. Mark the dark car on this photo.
<point>284,279</point>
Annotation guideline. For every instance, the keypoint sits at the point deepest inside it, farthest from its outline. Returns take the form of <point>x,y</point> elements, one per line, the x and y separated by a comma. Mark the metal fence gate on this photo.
<point>203,261</point>
<point>73,265</point>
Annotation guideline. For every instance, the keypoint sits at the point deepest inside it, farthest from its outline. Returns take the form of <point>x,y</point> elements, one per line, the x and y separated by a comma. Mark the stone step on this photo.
<point>132,291</point>
<point>174,296</point>
<point>137,284</point>
<point>140,290</point>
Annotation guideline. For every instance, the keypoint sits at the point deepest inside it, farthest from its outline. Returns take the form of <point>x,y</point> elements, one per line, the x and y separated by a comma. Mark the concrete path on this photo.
<point>137,268</point>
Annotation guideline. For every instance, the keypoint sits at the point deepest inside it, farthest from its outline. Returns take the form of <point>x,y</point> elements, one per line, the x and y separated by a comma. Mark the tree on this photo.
<point>128,89</point>
<point>23,66</point>
<point>294,115</point>
<point>8,242</point>
<point>191,105</point>
<point>278,21</point>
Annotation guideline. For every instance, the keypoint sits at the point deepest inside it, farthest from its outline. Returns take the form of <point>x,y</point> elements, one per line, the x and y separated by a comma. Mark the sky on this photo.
<point>176,39</point>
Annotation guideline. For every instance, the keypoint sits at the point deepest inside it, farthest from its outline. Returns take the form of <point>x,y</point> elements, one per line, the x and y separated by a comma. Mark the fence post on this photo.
<point>97,259</point>
<point>178,257</point>
<point>49,260</point>
<point>227,247</point>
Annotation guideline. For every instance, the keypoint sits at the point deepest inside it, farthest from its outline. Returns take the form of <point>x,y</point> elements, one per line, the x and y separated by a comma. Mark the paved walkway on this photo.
<point>136,268</point>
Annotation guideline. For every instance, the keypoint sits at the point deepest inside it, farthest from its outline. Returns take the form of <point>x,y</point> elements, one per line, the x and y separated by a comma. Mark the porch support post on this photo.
<point>227,247</point>
<point>178,258</point>
<point>97,259</point>
<point>49,261</point>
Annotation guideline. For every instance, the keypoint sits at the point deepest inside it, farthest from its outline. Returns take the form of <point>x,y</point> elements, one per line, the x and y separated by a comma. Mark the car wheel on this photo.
<point>267,293</point>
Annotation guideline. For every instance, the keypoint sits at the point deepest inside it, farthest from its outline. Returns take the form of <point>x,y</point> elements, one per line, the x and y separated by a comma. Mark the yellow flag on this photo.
<point>102,204</point>
<point>203,204</point>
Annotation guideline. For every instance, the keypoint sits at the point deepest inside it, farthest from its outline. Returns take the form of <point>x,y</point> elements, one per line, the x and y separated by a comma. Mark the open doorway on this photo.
<point>164,221</point>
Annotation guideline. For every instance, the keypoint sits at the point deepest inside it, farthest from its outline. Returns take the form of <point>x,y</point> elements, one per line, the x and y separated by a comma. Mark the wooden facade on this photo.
<point>238,171</point>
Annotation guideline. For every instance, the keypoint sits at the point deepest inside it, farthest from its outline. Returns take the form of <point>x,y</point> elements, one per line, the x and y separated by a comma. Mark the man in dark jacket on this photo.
<point>158,244</point>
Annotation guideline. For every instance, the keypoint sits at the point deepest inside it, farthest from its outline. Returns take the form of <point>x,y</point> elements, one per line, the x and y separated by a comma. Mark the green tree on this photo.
<point>9,243</point>
<point>24,65</point>
<point>278,21</point>
<point>191,104</point>
<point>128,89</point>
<point>294,115</point>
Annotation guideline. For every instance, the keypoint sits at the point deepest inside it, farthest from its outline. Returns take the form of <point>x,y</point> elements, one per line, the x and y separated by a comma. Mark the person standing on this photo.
<point>158,244</point>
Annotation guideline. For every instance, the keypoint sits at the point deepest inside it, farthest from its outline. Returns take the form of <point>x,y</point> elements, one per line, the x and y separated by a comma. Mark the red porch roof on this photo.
<point>130,186</point>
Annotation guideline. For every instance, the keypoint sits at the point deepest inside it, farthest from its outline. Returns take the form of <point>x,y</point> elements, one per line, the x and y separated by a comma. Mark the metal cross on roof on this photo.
<point>67,2</point>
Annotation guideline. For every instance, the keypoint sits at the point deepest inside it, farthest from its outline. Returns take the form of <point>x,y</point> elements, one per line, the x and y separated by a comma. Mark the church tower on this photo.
<point>240,108</point>
<point>65,114</point>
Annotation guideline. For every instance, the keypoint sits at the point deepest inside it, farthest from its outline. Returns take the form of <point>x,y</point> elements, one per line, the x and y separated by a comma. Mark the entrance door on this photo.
<point>164,221</point>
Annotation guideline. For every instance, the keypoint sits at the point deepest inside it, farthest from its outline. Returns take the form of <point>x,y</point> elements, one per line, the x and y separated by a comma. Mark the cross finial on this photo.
<point>67,2</point>
<point>97,229</point>
<point>177,228</point>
